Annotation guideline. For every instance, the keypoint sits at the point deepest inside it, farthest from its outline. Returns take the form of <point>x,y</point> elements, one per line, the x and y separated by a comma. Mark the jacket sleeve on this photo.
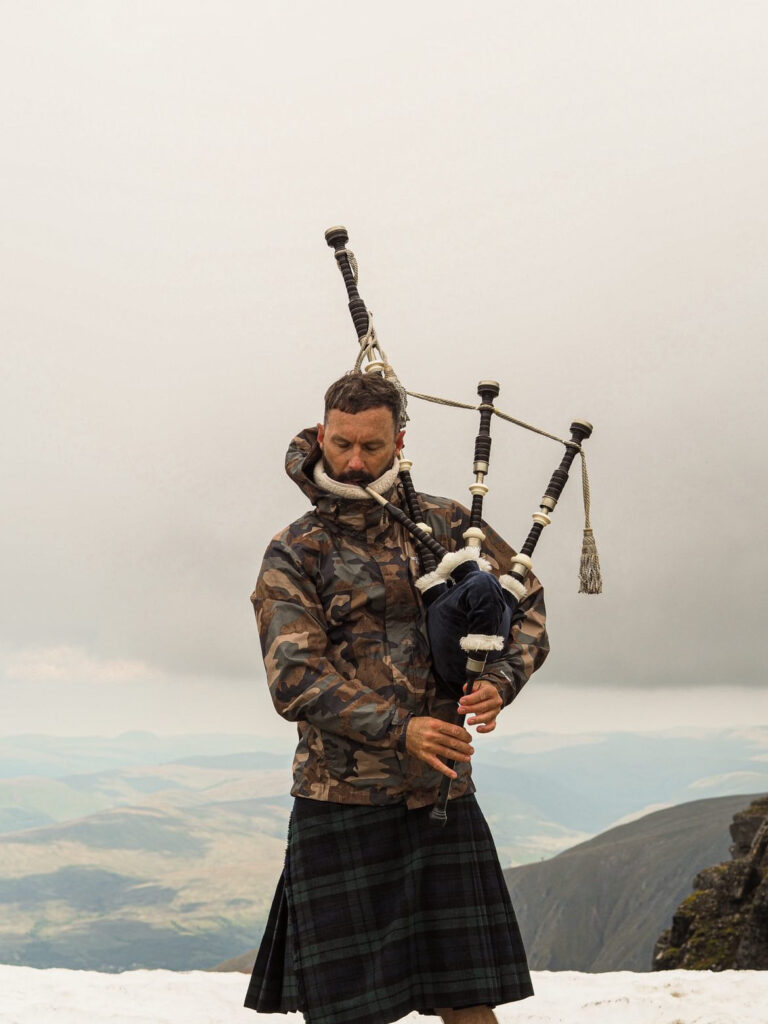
<point>304,684</point>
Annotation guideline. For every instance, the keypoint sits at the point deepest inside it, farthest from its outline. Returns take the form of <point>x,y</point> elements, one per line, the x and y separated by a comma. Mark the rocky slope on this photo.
<point>601,905</point>
<point>723,924</point>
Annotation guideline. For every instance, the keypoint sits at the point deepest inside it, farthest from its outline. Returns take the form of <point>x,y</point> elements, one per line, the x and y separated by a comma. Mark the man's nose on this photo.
<point>355,461</point>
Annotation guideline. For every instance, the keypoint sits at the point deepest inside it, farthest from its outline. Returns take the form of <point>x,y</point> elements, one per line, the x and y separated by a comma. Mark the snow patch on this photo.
<point>32,996</point>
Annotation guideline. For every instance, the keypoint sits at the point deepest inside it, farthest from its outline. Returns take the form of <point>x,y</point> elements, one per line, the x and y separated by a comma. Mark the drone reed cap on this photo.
<point>583,427</point>
<point>337,236</point>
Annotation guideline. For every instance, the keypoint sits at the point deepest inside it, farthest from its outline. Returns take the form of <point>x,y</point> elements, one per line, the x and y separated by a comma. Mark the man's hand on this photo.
<point>429,739</point>
<point>483,704</point>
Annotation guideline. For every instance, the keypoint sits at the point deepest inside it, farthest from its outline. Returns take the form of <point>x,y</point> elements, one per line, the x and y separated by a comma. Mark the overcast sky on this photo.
<point>567,197</point>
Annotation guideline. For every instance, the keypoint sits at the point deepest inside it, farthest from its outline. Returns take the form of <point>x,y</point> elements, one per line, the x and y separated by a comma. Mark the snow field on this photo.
<point>55,996</point>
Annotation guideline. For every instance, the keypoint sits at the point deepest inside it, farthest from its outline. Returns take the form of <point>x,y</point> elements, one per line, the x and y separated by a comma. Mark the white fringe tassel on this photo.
<point>481,642</point>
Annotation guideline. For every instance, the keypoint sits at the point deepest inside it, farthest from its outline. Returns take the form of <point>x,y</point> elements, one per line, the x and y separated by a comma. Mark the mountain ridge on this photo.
<point>601,905</point>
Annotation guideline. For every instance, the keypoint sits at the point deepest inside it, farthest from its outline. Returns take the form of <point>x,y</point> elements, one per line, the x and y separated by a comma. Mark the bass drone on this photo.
<point>469,611</point>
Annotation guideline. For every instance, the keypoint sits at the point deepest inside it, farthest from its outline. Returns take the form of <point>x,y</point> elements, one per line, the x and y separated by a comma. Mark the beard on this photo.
<point>361,478</point>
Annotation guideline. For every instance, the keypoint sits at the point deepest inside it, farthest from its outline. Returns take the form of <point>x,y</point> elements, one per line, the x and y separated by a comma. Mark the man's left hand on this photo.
<point>483,705</point>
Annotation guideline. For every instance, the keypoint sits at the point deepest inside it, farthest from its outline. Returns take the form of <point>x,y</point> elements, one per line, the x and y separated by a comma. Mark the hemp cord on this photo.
<point>352,261</point>
<point>496,412</point>
<point>590,577</point>
<point>371,350</point>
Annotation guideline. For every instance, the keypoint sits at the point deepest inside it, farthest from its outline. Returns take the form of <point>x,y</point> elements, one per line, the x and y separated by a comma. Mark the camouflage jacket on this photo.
<point>345,645</point>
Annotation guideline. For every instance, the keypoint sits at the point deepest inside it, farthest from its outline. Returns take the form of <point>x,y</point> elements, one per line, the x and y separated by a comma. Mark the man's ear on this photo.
<point>399,442</point>
<point>320,434</point>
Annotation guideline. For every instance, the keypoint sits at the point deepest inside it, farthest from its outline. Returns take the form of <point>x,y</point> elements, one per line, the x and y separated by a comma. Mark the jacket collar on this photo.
<point>357,511</point>
<point>352,492</point>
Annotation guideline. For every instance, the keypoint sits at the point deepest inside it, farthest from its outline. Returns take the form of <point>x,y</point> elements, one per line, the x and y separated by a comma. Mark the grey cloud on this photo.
<point>574,205</point>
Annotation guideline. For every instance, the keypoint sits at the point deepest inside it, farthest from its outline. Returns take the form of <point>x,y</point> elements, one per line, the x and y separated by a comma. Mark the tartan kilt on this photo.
<point>380,912</point>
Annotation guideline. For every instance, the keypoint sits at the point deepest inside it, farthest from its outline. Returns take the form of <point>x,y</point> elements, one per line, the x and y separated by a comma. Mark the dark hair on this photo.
<point>355,392</point>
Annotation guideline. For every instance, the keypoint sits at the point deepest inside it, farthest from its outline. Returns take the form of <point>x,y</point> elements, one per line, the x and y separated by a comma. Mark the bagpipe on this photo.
<point>469,611</point>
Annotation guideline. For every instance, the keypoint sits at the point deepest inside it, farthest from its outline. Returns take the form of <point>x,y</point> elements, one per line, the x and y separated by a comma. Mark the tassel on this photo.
<point>590,580</point>
<point>590,577</point>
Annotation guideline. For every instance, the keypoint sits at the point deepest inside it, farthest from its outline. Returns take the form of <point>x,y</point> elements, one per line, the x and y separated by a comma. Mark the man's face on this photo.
<point>358,447</point>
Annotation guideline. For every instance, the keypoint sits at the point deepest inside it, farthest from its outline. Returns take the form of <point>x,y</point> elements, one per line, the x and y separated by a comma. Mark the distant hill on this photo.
<point>174,868</point>
<point>31,801</point>
<point>181,855</point>
<point>57,756</point>
<point>140,886</point>
<point>589,783</point>
<point>542,793</point>
<point>601,905</point>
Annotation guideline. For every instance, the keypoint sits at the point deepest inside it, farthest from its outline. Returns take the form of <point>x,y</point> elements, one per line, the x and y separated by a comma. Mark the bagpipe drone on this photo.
<point>469,611</point>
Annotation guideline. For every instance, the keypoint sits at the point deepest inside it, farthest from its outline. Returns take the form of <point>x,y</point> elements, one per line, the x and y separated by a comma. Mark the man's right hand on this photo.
<point>430,739</point>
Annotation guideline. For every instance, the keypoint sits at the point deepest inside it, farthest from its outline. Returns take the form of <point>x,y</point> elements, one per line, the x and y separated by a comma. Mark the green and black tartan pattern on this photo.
<point>380,912</point>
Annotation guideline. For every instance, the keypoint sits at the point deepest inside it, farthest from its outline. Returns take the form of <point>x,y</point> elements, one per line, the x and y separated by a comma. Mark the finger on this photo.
<point>442,767</point>
<point>482,716</point>
<point>482,691</point>
<point>489,699</point>
<point>456,732</point>
<point>463,753</point>
<point>456,735</point>
<point>487,728</point>
<point>451,739</point>
<point>492,707</point>
<point>484,719</point>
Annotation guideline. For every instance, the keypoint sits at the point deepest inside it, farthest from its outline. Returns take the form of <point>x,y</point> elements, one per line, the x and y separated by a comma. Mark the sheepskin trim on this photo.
<point>515,587</point>
<point>387,480</point>
<point>352,491</point>
<point>431,579</point>
<point>481,642</point>
<point>454,559</point>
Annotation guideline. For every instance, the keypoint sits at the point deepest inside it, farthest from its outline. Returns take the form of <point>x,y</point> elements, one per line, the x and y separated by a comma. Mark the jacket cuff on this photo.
<point>400,731</point>
<point>503,682</point>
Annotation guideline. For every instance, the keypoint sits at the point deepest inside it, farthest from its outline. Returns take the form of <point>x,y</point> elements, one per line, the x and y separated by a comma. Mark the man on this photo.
<point>379,911</point>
